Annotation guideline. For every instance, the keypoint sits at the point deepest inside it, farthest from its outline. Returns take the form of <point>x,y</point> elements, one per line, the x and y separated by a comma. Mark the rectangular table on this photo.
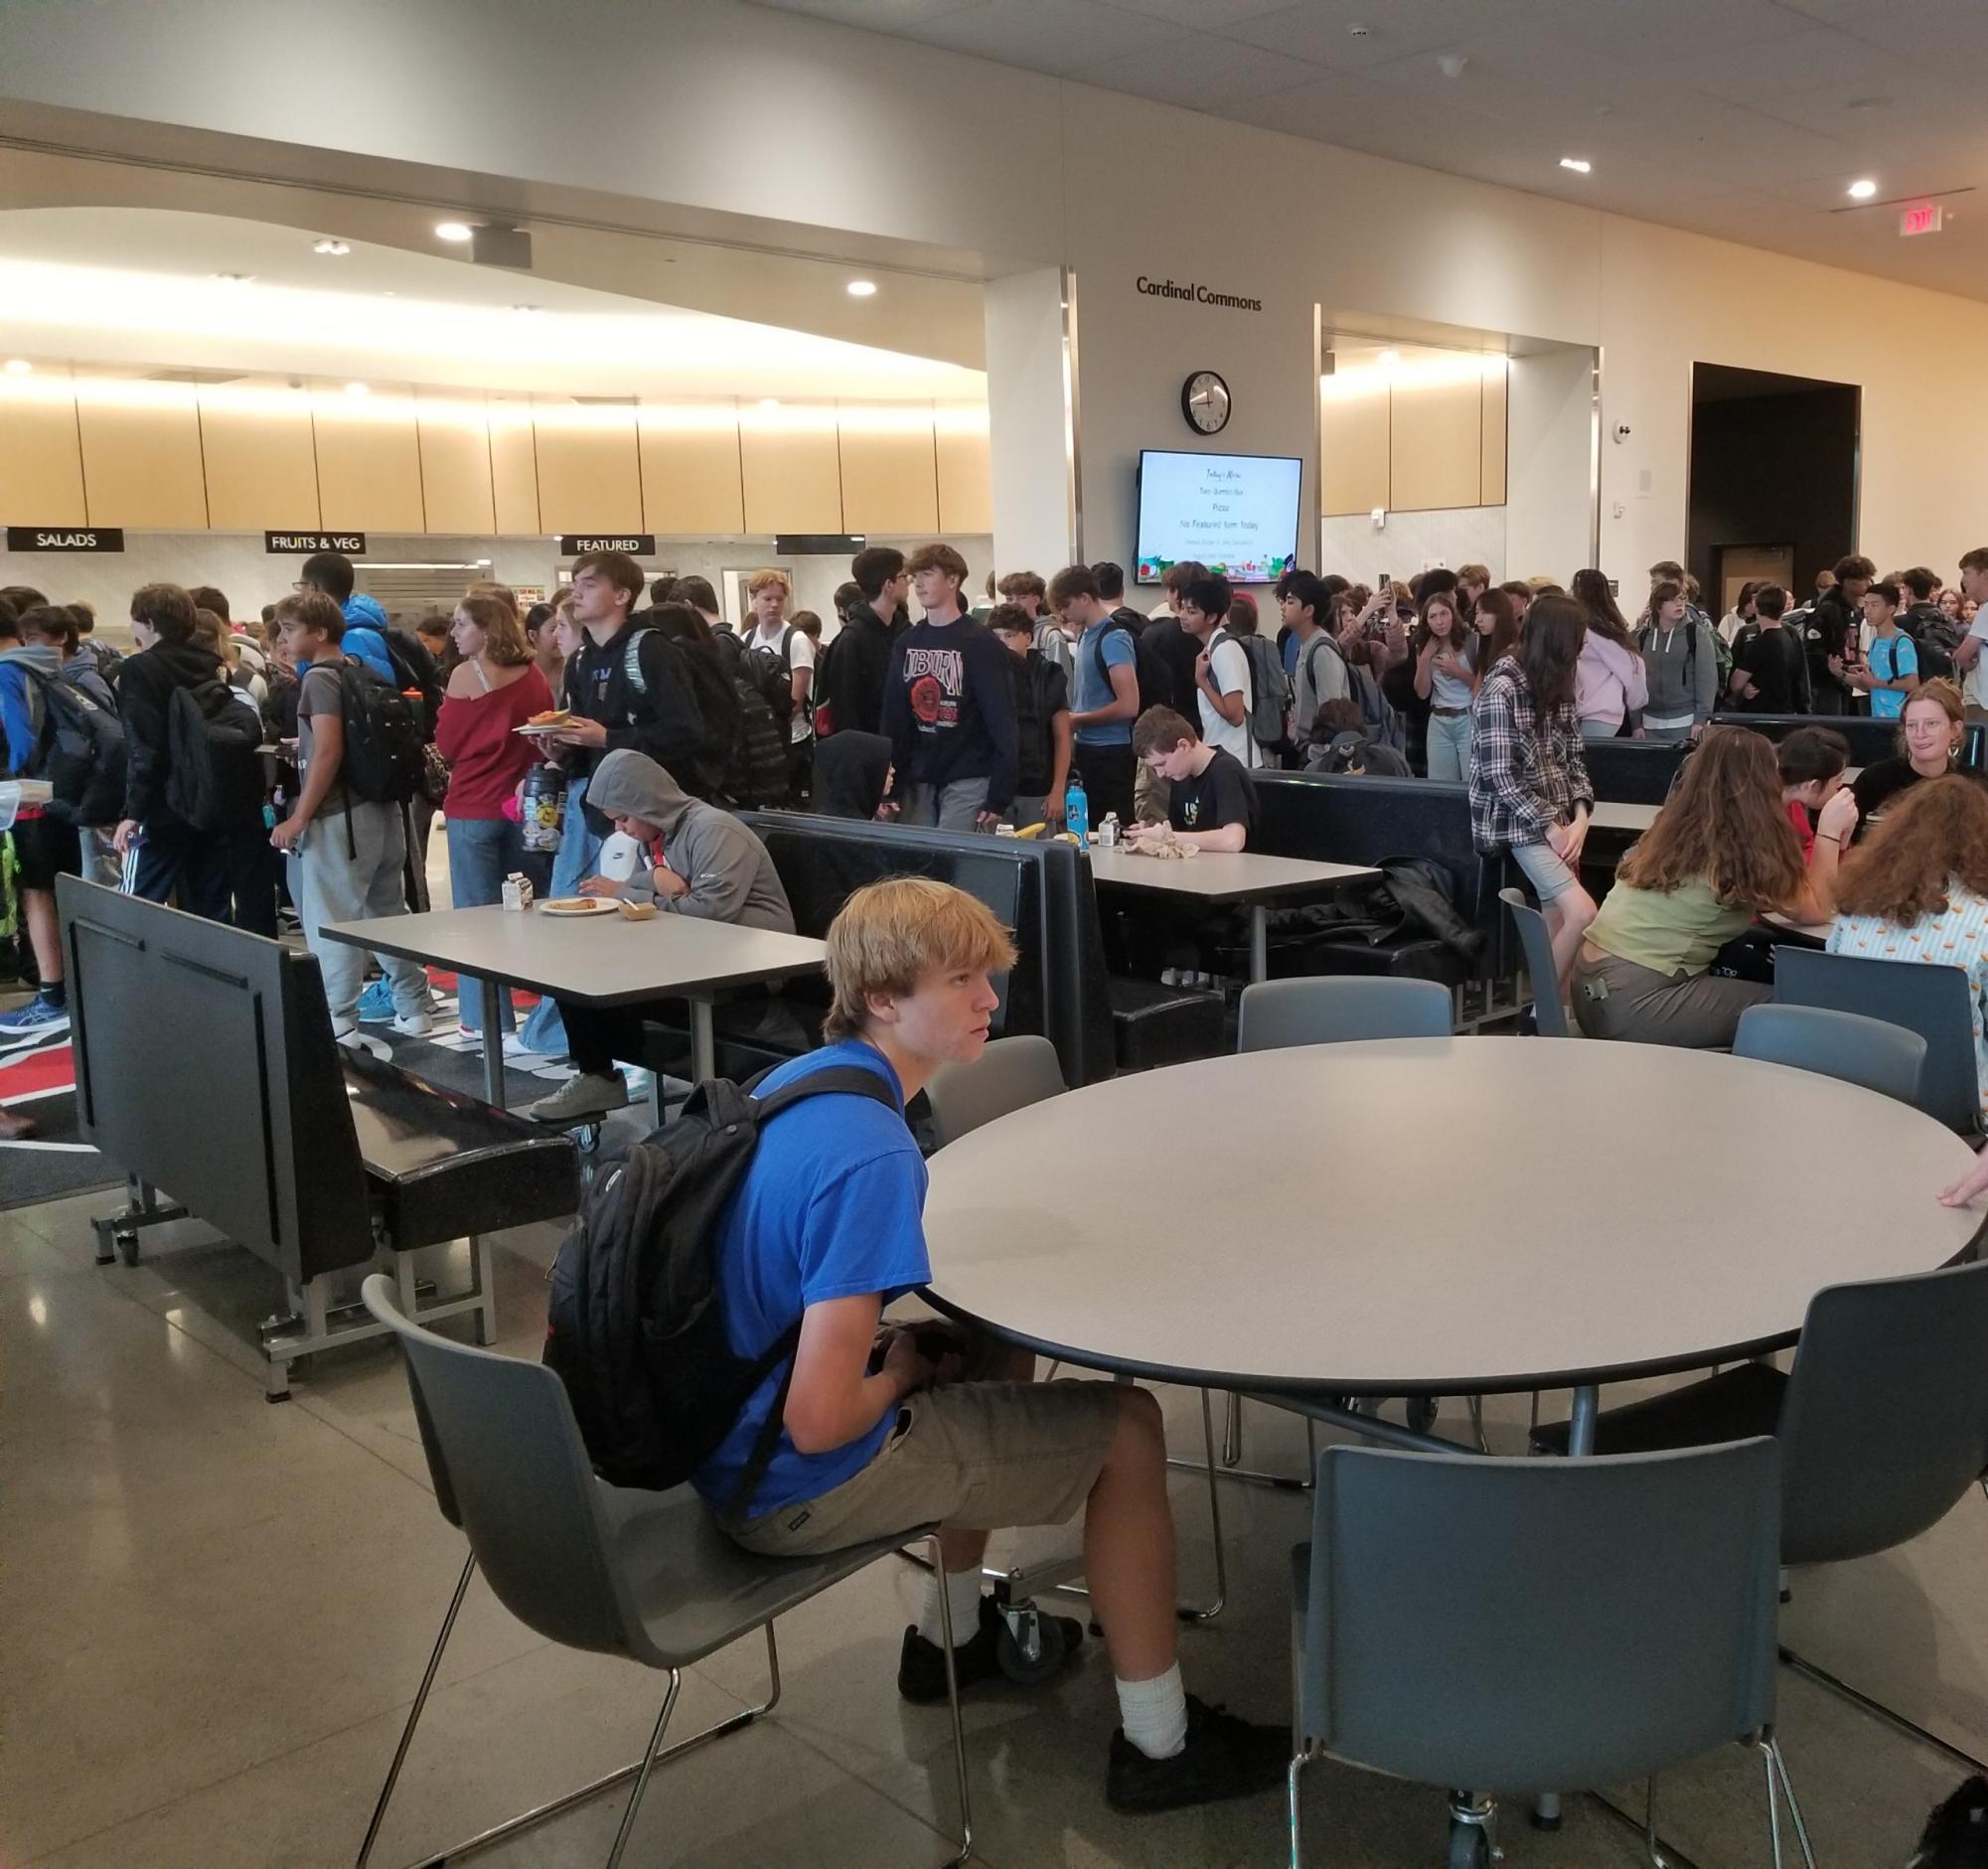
<point>1223,877</point>
<point>1614,815</point>
<point>598,959</point>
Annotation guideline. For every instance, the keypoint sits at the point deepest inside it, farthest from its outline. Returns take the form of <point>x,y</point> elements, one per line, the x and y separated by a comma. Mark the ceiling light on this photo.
<point>1389,357</point>
<point>359,389</point>
<point>332,250</point>
<point>234,279</point>
<point>1578,164</point>
<point>863,288</point>
<point>526,311</point>
<point>18,367</point>
<point>452,231</point>
<point>1864,190</point>
<point>769,402</point>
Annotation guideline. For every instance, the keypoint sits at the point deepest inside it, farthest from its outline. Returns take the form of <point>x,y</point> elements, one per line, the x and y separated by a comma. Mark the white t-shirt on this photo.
<point>1228,673</point>
<point>800,655</point>
<point>1975,689</point>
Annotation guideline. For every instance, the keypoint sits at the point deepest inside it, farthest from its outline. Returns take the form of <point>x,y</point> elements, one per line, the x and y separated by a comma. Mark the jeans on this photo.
<point>580,850</point>
<point>952,807</point>
<point>1449,746</point>
<point>352,868</point>
<point>482,853</point>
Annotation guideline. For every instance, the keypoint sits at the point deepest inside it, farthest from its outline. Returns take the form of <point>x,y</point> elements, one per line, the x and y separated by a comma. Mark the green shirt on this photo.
<point>1670,933</point>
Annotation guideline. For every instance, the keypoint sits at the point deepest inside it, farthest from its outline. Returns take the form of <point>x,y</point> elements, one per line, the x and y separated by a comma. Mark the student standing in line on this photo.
<point>1831,633</point>
<point>492,689</point>
<point>1736,619</point>
<point>1530,793</point>
<point>1720,851</point>
<point>1681,664</point>
<point>1612,684</point>
<point>351,851</point>
<point>1916,889</point>
<point>1318,670</point>
<point>1165,636</point>
<point>857,664</point>
<point>769,594</point>
<point>45,846</point>
<point>1496,620</point>
<point>1446,680</point>
<point>948,707</point>
<point>1968,662</point>
<point>1769,668</point>
<point>1221,669</point>
<point>1890,672</point>
<point>885,1427</point>
<point>1104,692</point>
<point>1041,722</point>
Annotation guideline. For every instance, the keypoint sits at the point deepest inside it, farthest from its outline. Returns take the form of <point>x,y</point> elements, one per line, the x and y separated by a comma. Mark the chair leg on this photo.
<point>1778,1767</point>
<point>1232,1431</point>
<point>648,1765</point>
<point>1298,1761</point>
<point>1477,1423</point>
<point>952,1705</point>
<point>1658,1858</point>
<point>1214,1609</point>
<point>414,1713</point>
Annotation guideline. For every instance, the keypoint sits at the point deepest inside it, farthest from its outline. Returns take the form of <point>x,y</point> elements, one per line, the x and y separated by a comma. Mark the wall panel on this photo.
<point>41,457</point>
<point>691,478</point>
<point>369,462</point>
<point>793,476</point>
<point>141,455</point>
<point>1437,444</point>
<point>1353,455</point>
<point>589,475</point>
<point>966,471</point>
<point>514,466</point>
<point>262,459</point>
<point>889,471</point>
<point>1491,458</point>
<point>453,434</point>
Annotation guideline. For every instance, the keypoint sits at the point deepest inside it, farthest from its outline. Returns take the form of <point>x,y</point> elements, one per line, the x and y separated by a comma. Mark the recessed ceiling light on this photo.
<point>1864,190</point>
<point>863,288</point>
<point>1390,356</point>
<point>526,311</point>
<point>234,279</point>
<point>1578,164</point>
<point>769,402</point>
<point>332,250</point>
<point>359,389</point>
<point>452,231</point>
<point>18,367</point>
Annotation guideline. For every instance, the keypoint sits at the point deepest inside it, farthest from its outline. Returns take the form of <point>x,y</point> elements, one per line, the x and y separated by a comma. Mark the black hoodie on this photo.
<point>145,685</point>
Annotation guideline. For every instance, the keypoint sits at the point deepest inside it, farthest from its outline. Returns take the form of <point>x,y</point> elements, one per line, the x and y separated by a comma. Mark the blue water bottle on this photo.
<point>1077,812</point>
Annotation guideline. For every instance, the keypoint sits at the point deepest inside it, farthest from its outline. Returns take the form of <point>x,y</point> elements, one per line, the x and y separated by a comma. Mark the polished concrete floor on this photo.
<point>214,1611</point>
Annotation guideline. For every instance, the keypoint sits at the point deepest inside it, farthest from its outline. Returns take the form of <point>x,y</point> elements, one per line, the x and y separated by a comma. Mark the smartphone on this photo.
<point>1383,582</point>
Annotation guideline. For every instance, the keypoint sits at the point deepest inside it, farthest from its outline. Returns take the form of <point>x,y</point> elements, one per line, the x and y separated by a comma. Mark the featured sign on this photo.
<point>307,543</point>
<point>1196,294</point>
<point>636,544</point>
<point>64,539</point>
<point>818,545</point>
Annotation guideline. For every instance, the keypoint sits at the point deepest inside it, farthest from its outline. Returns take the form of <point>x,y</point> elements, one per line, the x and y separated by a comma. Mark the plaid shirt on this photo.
<point>1525,776</point>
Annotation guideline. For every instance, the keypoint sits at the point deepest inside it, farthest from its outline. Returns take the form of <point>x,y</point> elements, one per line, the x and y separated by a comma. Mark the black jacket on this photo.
<point>859,663</point>
<point>1179,650</point>
<point>655,713</point>
<point>145,685</point>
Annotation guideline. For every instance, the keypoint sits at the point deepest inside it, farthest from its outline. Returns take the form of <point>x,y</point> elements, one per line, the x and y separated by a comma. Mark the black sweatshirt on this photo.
<point>656,713</point>
<point>145,686</point>
<point>949,708</point>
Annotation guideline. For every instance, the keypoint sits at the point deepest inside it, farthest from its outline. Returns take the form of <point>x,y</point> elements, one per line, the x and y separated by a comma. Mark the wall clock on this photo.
<point>1204,400</point>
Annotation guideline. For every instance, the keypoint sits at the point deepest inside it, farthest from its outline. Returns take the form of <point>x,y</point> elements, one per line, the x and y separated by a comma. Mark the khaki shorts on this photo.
<point>977,1455</point>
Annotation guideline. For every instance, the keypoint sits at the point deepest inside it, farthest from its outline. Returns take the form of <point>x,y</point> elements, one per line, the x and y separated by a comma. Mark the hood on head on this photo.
<point>631,784</point>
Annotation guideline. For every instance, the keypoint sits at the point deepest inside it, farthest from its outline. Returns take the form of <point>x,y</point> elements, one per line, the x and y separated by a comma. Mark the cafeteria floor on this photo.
<point>214,1614</point>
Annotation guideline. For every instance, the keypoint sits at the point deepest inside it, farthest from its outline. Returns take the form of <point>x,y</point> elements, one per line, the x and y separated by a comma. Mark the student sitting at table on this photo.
<point>1932,725</point>
<point>1812,761</point>
<point>1916,889</point>
<point>1211,799</point>
<point>1720,851</point>
<point>887,1426</point>
<point>702,862</point>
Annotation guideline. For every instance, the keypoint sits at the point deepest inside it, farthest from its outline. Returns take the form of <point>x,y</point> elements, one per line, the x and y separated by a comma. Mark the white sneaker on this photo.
<point>581,1099</point>
<point>414,1024</point>
<point>518,1053</point>
<point>350,1038</point>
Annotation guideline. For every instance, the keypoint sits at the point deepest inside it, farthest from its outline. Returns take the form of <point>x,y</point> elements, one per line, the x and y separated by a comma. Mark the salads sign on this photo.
<point>64,539</point>
<point>1196,294</point>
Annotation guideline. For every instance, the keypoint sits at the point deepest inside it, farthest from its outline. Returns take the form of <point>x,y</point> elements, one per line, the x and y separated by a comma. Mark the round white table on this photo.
<point>1435,1217</point>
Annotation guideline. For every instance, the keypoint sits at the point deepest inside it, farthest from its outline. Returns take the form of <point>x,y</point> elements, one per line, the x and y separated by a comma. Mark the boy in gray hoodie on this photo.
<point>1681,661</point>
<point>698,861</point>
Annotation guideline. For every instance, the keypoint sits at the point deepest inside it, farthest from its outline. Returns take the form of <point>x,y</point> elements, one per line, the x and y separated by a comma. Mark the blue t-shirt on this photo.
<point>1095,690</point>
<point>1890,658</point>
<point>831,1206</point>
<point>1290,654</point>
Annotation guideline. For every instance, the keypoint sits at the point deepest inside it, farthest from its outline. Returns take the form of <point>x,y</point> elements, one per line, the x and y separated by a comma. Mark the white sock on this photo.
<point>1155,1713</point>
<point>963,1594</point>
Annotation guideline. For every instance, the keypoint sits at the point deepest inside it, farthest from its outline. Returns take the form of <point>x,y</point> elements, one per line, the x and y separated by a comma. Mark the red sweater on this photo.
<point>486,758</point>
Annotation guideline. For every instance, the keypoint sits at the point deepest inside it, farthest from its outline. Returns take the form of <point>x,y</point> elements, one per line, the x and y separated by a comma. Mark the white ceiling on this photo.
<point>138,288</point>
<point>1746,119</point>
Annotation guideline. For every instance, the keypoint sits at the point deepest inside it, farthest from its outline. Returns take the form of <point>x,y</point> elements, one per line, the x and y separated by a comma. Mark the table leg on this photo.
<point>489,992</point>
<point>1259,941</point>
<point>703,1047</point>
<point>1579,1441</point>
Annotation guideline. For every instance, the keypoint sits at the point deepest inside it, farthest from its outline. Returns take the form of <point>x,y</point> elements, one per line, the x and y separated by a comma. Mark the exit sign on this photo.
<point>1921,218</point>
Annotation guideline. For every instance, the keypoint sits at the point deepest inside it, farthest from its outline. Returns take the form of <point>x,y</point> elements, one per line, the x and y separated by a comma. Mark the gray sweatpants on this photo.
<point>1617,999</point>
<point>334,884</point>
<point>953,807</point>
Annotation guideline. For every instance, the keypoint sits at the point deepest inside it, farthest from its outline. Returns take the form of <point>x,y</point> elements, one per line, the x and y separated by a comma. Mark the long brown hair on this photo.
<point>1488,650</point>
<point>1457,642</point>
<point>504,640</point>
<point>1934,834</point>
<point>1591,591</point>
<point>1549,647</point>
<point>1724,823</point>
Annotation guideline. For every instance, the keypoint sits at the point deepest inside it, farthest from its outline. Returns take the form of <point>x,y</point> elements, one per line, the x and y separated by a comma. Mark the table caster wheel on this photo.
<point>587,1135</point>
<point>1422,1410</point>
<point>125,1240</point>
<point>1469,1847</point>
<point>1028,1646</point>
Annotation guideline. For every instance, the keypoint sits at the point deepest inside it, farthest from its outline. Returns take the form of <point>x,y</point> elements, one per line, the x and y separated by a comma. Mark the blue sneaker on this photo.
<point>34,1024</point>
<point>375,1004</point>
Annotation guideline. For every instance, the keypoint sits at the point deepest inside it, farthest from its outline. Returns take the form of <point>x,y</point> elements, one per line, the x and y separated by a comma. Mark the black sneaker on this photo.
<point>921,1668</point>
<point>1224,1758</point>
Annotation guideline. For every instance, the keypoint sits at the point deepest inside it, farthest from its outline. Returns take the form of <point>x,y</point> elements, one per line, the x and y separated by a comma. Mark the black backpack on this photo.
<point>383,762</point>
<point>768,670</point>
<point>214,775</point>
<point>635,1328</point>
<point>80,752</point>
<point>1156,678</point>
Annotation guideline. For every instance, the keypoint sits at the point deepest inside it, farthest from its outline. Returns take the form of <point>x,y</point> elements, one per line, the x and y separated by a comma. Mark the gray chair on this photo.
<point>1549,1012</point>
<point>1010,1074</point>
<point>647,1576</point>
<point>1870,1051</point>
<point>1339,1008</point>
<point>1563,1622</point>
<point>1933,1002</point>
